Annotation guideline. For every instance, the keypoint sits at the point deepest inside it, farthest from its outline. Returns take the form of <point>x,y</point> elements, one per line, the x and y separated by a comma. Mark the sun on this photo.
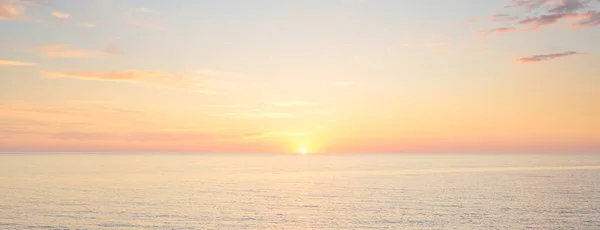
<point>302,150</point>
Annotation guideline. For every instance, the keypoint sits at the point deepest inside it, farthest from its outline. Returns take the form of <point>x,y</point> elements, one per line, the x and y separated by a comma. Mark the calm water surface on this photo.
<point>179,191</point>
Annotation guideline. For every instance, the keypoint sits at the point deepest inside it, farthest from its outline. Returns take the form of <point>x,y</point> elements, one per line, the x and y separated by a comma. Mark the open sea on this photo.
<point>260,191</point>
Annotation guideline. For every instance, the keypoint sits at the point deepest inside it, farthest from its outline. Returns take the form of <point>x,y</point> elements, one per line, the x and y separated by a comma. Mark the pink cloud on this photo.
<point>545,20</point>
<point>556,11</point>
<point>545,57</point>
<point>591,19</point>
<point>8,11</point>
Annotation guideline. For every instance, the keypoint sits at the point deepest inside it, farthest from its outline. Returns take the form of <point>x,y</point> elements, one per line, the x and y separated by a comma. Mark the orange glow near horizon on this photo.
<point>298,80</point>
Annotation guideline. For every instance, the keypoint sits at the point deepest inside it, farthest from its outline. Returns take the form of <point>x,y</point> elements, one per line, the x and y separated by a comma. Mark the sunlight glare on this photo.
<point>303,150</point>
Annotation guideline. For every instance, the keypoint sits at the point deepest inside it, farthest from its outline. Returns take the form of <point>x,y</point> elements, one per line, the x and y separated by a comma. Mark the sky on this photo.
<point>269,76</point>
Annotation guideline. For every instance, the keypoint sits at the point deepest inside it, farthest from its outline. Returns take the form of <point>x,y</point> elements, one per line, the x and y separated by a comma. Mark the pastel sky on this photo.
<point>335,76</point>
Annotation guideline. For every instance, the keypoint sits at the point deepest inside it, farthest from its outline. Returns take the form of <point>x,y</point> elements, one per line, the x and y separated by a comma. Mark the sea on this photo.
<point>278,191</point>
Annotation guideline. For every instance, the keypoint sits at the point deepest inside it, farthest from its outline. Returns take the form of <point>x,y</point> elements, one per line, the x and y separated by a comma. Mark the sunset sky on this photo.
<point>331,76</point>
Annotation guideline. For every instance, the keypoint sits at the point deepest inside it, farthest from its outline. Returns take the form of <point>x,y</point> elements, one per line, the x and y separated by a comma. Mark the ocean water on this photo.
<point>203,191</point>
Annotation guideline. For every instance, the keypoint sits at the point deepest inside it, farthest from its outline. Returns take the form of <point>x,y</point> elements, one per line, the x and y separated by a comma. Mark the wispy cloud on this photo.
<point>15,63</point>
<point>9,11</point>
<point>75,108</point>
<point>443,46</point>
<point>502,18</point>
<point>60,15</point>
<point>529,4</point>
<point>569,6</point>
<point>114,48</point>
<point>153,78</point>
<point>217,73</point>
<point>133,17</point>
<point>551,12</point>
<point>145,10</point>
<point>65,51</point>
<point>46,3</point>
<point>545,57</point>
<point>590,19</point>
<point>33,118</point>
<point>162,136</point>
<point>544,20</point>
<point>498,31</point>
<point>88,25</point>
<point>150,76</point>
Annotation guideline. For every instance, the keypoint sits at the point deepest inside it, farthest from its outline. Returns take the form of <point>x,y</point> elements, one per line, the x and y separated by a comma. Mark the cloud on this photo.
<point>15,63</point>
<point>140,136</point>
<point>502,17</point>
<point>88,25</point>
<point>132,18</point>
<point>114,48</point>
<point>96,121</point>
<point>41,119</point>
<point>548,19</point>
<point>77,108</point>
<point>61,15</point>
<point>153,136</point>
<point>499,30</point>
<point>8,11</point>
<point>443,46</point>
<point>46,3</point>
<point>545,57</point>
<point>65,51</point>
<point>569,6</point>
<point>217,73</point>
<point>134,75</point>
<point>591,19</point>
<point>145,10</point>
<point>555,12</point>
<point>529,4</point>
<point>155,78</point>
